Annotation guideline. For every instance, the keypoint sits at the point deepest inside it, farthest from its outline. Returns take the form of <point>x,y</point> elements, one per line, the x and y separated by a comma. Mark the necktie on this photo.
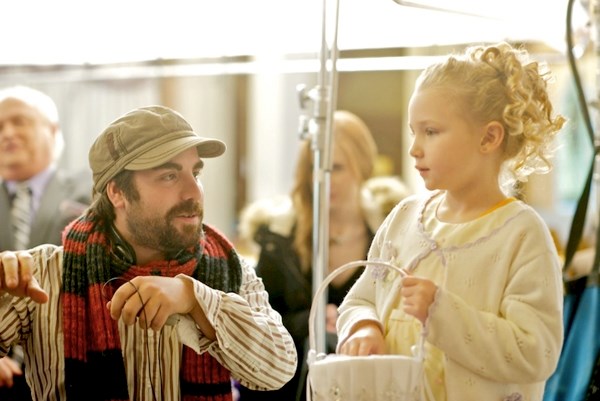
<point>21,216</point>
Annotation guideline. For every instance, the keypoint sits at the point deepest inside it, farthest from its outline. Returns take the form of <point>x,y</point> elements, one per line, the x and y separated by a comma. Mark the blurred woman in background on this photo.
<point>282,228</point>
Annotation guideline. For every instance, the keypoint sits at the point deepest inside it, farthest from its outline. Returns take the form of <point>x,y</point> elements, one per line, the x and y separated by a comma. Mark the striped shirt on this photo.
<point>251,340</point>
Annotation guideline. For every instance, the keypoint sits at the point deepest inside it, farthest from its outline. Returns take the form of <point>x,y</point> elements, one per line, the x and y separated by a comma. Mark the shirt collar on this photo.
<point>37,183</point>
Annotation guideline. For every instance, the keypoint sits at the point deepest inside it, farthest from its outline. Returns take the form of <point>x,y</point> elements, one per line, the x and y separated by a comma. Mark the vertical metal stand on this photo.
<point>595,18</point>
<point>318,128</point>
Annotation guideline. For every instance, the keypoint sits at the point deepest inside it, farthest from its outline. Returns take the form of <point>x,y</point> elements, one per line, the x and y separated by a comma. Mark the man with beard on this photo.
<point>143,301</point>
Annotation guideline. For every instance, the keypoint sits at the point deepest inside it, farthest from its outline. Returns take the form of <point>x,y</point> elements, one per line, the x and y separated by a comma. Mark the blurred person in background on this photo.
<point>282,230</point>
<point>31,143</point>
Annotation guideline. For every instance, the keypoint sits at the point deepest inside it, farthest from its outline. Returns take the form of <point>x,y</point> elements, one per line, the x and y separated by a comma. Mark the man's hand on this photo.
<point>16,277</point>
<point>8,369</point>
<point>151,300</point>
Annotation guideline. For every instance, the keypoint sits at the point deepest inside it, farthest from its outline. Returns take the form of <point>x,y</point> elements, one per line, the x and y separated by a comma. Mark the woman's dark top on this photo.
<point>290,294</point>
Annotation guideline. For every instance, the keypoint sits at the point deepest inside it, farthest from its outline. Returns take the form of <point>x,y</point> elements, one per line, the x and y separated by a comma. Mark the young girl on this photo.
<point>485,286</point>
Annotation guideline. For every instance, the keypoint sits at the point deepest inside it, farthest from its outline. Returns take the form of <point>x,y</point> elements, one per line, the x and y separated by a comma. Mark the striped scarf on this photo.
<point>94,367</point>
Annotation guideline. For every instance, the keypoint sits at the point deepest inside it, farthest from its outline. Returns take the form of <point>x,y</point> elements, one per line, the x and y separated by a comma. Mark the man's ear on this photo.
<point>54,129</point>
<point>493,137</point>
<point>115,195</point>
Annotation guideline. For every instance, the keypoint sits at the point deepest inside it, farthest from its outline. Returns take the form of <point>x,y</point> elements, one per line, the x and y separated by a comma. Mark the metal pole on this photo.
<point>595,18</point>
<point>319,129</point>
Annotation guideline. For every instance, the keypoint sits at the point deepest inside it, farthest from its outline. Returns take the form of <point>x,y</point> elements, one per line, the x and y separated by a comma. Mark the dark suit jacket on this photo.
<point>65,197</point>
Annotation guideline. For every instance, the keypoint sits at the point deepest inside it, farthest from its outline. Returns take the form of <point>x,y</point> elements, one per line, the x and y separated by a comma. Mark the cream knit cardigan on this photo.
<point>497,314</point>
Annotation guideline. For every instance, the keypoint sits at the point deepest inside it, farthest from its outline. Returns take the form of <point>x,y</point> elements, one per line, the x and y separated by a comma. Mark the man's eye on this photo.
<point>19,121</point>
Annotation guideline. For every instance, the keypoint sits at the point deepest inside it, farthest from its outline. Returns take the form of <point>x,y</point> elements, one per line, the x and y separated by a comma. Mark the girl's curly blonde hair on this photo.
<point>501,83</point>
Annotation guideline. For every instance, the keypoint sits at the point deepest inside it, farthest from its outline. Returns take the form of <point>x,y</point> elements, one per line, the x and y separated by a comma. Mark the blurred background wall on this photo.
<point>232,68</point>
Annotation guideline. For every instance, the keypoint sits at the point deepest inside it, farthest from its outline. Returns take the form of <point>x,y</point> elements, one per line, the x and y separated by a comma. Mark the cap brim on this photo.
<point>165,152</point>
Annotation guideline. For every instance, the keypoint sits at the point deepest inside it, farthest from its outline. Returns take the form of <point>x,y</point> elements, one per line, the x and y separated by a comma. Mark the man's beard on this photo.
<point>159,233</point>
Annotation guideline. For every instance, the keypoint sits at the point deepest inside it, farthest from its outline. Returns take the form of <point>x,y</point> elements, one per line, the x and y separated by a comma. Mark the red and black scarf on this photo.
<point>94,367</point>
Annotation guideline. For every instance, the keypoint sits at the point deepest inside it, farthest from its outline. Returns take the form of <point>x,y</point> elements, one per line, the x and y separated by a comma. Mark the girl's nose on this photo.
<point>415,149</point>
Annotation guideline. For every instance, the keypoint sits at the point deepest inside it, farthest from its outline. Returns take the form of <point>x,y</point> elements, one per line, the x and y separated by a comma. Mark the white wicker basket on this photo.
<point>362,378</point>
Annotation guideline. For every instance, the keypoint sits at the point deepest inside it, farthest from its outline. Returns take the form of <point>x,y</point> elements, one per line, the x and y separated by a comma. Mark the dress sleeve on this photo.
<point>360,302</point>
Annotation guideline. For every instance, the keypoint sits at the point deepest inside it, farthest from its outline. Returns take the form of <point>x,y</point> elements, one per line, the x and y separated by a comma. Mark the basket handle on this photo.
<point>329,278</point>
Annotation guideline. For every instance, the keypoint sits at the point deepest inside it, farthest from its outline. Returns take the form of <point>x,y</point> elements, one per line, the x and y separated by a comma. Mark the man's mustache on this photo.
<point>187,207</point>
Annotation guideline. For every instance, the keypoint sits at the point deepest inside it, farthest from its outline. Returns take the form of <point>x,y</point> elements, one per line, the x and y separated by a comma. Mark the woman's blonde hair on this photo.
<point>354,138</point>
<point>501,83</point>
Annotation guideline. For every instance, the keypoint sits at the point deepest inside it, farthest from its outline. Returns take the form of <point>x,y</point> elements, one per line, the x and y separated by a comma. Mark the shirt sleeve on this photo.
<point>251,339</point>
<point>9,319</point>
<point>17,314</point>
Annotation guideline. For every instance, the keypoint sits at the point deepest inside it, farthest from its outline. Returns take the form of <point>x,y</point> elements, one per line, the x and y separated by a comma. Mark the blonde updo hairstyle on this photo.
<point>352,136</point>
<point>501,83</point>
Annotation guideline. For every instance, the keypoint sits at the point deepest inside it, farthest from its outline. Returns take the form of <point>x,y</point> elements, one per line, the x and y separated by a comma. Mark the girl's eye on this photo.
<point>430,131</point>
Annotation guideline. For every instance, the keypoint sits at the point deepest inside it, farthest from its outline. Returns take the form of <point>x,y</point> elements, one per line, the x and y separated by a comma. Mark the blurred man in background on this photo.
<point>36,196</point>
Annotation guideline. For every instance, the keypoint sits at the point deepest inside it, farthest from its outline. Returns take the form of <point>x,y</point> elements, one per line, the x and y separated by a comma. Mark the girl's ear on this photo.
<point>493,137</point>
<point>115,195</point>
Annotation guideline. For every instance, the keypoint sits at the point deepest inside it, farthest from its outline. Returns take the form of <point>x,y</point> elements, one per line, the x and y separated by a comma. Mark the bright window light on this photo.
<point>110,31</point>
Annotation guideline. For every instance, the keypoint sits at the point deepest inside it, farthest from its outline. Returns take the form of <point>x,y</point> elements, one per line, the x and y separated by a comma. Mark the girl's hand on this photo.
<point>418,295</point>
<point>367,339</point>
<point>331,315</point>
